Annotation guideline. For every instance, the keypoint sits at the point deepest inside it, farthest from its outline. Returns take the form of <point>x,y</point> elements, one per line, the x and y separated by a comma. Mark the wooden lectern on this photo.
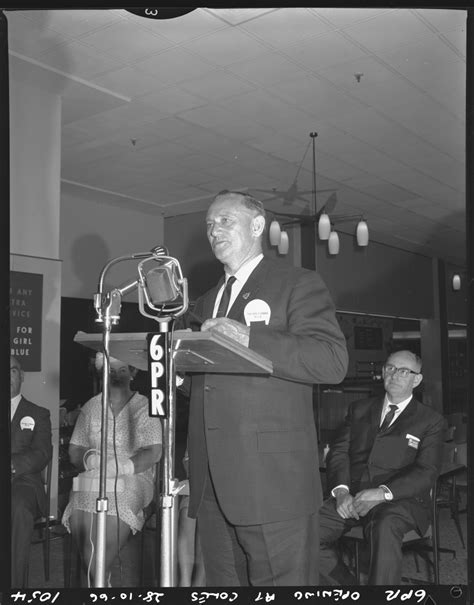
<point>208,352</point>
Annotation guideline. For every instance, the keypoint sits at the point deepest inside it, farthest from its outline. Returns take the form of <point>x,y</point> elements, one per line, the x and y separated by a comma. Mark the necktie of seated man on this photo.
<point>225,298</point>
<point>388,417</point>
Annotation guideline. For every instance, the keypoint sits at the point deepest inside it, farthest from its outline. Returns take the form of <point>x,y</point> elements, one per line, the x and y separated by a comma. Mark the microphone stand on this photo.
<point>108,313</point>
<point>168,500</point>
<point>170,485</point>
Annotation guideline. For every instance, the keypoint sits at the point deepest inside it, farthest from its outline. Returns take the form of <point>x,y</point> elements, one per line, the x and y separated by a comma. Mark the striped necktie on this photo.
<point>388,417</point>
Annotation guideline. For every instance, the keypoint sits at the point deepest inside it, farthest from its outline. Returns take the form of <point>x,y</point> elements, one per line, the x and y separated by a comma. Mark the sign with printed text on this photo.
<point>26,312</point>
<point>158,352</point>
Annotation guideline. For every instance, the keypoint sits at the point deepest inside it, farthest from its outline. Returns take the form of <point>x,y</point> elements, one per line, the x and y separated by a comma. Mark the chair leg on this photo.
<point>435,545</point>
<point>142,556</point>
<point>67,561</point>
<point>46,550</point>
<point>70,554</point>
<point>357,562</point>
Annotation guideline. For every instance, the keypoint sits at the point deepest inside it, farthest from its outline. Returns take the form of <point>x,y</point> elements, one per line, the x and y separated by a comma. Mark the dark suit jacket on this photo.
<point>31,449</point>
<point>258,432</point>
<point>361,457</point>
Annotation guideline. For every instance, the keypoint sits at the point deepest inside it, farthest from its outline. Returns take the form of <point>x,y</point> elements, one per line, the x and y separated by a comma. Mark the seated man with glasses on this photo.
<point>380,469</point>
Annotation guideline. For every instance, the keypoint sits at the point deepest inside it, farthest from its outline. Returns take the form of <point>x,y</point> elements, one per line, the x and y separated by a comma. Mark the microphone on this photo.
<point>156,252</point>
<point>162,284</point>
<point>163,287</point>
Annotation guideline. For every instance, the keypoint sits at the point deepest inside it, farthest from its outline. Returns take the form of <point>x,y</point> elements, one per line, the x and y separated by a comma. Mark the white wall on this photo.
<point>35,139</point>
<point>35,127</point>
<point>94,228</point>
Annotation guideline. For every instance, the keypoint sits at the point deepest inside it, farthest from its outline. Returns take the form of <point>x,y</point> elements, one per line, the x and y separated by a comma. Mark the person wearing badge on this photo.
<point>31,450</point>
<point>253,454</point>
<point>380,469</point>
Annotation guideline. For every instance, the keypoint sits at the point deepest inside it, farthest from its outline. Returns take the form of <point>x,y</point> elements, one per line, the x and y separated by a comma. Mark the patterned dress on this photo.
<point>134,429</point>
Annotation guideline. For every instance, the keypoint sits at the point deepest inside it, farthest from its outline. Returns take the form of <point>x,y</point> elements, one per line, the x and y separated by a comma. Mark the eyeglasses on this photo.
<point>403,372</point>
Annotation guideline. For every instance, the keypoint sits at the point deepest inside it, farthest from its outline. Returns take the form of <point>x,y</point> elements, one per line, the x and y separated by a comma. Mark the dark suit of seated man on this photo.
<point>380,476</point>
<point>31,450</point>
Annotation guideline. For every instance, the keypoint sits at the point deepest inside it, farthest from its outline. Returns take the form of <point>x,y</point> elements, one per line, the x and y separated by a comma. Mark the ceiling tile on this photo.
<point>444,20</point>
<point>344,17</point>
<point>241,129</point>
<point>221,49</point>
<point>279,144</point>
<point>286,26</point>
<point>317,97</point>
<point>265,108</point>
<point>140,41</point>
<point>430,56</point>
<point>80,101</point>
<point>80,60</point>
<point>369,69</point>
<point>30,38</point>
<point>207,116</point>
<point>457,37</point>
<point>216,86</point>
<point>334,168</point>
<point>127,81</point>
<point>192,25</point>
<point>237,16</point>
<point>74,22</point>
<point>324,51</point>
<point>172,100</point>
<point>172,128</point>
<point>173,66</point>
<point>389,30</point>
<point>388,192</point>
<point>267,69</point>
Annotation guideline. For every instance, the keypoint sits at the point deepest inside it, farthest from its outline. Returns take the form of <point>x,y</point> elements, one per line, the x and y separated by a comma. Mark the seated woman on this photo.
<point>134,446</point>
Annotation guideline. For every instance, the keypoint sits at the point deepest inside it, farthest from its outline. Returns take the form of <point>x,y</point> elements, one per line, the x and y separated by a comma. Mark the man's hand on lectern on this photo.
<point>228,327</point>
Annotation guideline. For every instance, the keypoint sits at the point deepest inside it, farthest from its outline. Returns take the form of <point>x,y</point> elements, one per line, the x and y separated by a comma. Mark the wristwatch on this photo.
<point>387,494</point>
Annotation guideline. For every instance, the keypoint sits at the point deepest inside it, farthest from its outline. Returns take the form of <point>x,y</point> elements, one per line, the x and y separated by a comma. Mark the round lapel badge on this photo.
<point>27,422</point>
<point>257,310</point>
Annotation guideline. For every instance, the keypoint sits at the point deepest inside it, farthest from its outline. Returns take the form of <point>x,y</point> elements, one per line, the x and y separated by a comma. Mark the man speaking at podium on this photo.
<point>254,477</point>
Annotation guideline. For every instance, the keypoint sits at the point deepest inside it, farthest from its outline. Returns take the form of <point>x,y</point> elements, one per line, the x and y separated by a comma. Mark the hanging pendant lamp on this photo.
<point>333,243</point>
<point>324,226</point>
<point>284,244</point>
<point>362,233</point>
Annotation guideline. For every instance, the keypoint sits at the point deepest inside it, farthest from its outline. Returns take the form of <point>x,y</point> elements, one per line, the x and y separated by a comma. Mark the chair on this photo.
<point>461,477</point>
<point>152,524</point>
<point>459,421</point>
<point>43,523</point>
<point>451,480</point>
<point>412,539</point>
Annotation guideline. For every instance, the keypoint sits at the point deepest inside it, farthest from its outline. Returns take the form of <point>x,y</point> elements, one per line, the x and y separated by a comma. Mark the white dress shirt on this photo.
<point>14,404</point>
<point>400,407</point>
<point>241,276</point>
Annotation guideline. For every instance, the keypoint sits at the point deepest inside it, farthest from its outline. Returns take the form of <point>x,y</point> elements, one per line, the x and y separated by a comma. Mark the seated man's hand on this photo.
<point>228,327</point>
<point>366,499</point>
<point>344,505</point>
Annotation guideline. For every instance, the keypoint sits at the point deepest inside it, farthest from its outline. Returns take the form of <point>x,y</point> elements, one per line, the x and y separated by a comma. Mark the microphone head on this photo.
<point>162,284</point>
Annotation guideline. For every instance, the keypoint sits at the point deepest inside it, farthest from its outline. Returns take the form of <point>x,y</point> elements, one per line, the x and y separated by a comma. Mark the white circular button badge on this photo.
<point>27,422</point>
<point>257,310</point>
